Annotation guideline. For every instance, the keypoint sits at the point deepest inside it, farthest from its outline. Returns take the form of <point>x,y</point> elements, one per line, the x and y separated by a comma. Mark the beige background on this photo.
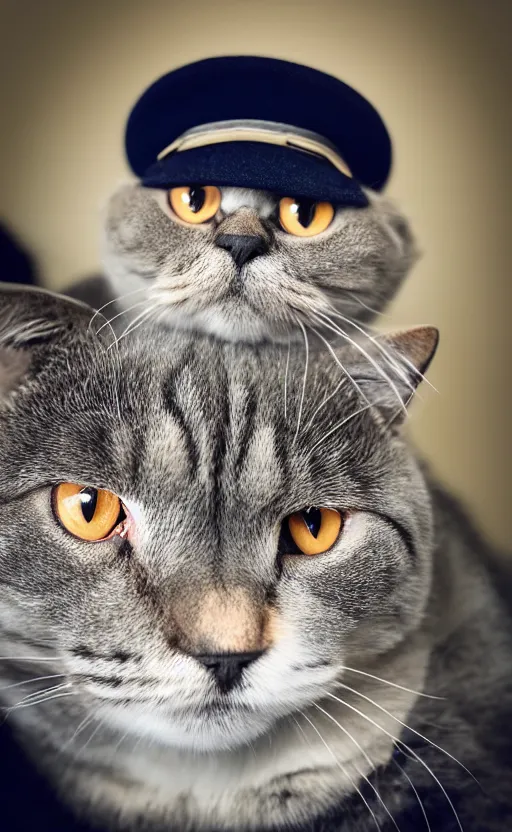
<point>437,70</point>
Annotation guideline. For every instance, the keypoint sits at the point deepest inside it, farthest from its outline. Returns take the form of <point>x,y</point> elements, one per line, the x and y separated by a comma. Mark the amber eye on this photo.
<point>89,513</point>
<point>195,203</point>
<point>304,218</point>
<point>310,532</point>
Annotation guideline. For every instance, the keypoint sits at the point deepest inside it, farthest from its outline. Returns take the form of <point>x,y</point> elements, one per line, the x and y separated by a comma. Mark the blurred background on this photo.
<point>439,74</point>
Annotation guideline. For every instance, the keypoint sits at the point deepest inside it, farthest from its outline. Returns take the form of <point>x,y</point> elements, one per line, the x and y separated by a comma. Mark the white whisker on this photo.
<point>365,755</point>
<point>35,679</point>
<point>118,744</point>
<point>141,737</point>
<point>404,725</point>
<point>342,334</point>
<point>301,729</point>
<point>115,300</point>
<point>401,742</point>
<point>86,743</point>
<point>339,363</point>
<point>286,379</point>
<point>413,787</point>
<point>119,314</point>
<point>342,769</point>
<point>392,361</point>
<point>366,306</point>
<point>306,345</point>
<point>109,324</point>
<point>392,684</point>
<point>133,325</point>
<point>35,695</point>
<point>131,727</point>
<point>39,701</point>
<point>380,346</point>
<point>31,659</point>
<point>322,404</point>
<point>81,726</point>
<point>343,422</point>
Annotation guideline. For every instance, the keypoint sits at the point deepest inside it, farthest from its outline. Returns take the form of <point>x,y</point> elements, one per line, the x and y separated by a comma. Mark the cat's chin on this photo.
<point>213,730</point>
<point>228,321</point>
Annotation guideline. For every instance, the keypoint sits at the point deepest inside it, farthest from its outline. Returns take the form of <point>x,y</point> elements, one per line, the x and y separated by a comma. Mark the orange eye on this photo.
<point>310,532</point>
<point>88,513</point>
<point>304,218</point>
<point>195,203</point>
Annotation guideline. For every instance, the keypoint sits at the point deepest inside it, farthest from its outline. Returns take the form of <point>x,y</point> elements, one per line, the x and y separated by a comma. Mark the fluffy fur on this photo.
<point>160,266</point>
<point>210,445</point>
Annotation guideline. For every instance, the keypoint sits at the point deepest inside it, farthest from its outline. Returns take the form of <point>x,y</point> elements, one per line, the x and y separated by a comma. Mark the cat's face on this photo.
<point>209,449</point>
<point>246,265</point>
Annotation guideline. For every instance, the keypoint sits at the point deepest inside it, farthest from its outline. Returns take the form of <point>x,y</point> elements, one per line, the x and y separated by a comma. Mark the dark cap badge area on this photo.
<point>263,123</point>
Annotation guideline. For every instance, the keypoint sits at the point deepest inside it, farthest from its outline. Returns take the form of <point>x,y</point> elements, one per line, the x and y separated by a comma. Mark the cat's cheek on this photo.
<point>161,198</point>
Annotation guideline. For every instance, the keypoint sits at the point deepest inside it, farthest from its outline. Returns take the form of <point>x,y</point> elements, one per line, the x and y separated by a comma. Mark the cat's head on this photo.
<point>246,265</point>
<point>198,537</point>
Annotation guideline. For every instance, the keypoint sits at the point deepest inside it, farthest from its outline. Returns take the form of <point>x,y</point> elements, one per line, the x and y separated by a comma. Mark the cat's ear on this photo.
<point>32,321</point>
<point>394,367</point>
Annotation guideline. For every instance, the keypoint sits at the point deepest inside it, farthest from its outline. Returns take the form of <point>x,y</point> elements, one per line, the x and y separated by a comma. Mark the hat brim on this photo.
<point>281,170</point>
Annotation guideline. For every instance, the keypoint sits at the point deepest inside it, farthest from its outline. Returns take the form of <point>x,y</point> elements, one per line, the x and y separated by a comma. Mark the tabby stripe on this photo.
<point>248,430</point>
<point>172,407</point>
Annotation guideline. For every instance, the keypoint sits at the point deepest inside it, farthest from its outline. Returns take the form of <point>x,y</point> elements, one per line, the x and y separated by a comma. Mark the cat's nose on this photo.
<point>243,247</point>
<point>227,668</point>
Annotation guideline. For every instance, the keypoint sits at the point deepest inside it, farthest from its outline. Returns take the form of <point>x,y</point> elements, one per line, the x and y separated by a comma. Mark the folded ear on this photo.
<point>33,321</point>
<point>393,368</point>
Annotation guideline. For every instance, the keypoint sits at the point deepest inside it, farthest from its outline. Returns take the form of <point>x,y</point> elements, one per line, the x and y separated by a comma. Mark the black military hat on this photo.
<point>258,122</point>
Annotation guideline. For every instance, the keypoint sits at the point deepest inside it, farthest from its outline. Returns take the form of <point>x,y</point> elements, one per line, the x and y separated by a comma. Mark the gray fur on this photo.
<point>354,268</point>
<point>195,436</point>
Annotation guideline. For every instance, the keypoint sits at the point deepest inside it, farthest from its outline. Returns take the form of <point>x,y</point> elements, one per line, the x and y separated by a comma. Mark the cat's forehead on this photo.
<point>263,202</point>
<point>191,416</point>
<point>213,393</point>
<point>248,417</point>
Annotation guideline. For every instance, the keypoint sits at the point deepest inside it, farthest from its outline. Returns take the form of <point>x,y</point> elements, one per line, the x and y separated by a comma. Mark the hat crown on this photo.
<point>255,88</point>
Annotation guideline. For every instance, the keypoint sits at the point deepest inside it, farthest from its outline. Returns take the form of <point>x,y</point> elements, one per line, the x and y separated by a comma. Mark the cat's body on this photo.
<point>210,446</point>
<point>241,276</point>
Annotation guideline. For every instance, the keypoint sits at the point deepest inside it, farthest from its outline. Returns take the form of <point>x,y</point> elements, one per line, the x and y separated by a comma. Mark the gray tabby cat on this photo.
<point>171,659</point>
<point>233,263</point>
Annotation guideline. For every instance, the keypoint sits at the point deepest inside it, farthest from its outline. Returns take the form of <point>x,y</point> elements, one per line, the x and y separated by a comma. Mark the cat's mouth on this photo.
<point>217,707</point>
<point>224,708</point>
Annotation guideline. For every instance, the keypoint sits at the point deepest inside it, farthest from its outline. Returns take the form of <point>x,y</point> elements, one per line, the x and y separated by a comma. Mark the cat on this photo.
<point>239,275</point>
<point>285,623</point>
